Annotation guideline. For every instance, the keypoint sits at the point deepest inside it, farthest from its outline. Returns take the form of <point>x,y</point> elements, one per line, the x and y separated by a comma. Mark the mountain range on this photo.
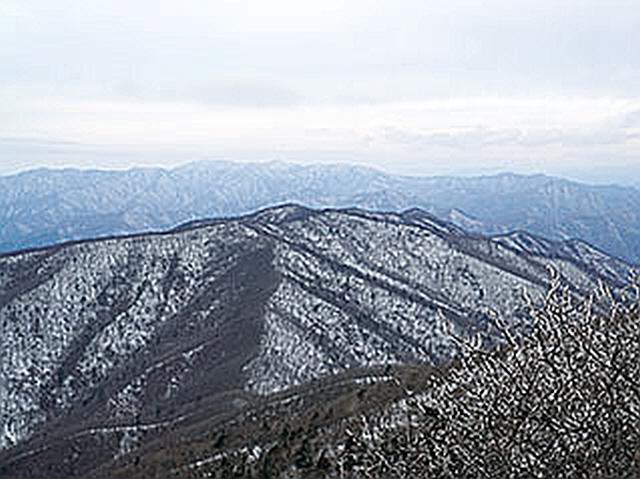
<point>44,207</point>
<point>108,346</point>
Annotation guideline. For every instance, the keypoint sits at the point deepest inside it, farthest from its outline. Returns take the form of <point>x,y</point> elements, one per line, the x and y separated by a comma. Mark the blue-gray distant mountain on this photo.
<point>43,207</point>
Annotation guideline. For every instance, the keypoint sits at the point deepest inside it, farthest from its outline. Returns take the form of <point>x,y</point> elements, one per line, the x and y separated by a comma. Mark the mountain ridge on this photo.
<point>141,327</point>
<point>76,204</point>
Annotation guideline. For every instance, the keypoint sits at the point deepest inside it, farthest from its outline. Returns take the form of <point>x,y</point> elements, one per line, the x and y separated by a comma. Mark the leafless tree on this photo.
<point>561,401</point>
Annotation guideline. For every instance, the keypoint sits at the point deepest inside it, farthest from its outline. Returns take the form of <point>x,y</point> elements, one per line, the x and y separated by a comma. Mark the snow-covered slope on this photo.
<point>106,335</point>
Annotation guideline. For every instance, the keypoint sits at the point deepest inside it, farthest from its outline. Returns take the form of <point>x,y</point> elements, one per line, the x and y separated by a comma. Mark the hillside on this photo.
<point>111,342</point>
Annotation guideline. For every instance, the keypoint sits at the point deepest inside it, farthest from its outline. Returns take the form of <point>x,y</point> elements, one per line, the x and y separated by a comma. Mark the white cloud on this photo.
<point>402,79</point>
<point>632,119</point>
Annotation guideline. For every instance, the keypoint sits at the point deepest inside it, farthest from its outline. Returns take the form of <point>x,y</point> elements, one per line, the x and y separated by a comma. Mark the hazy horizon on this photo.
<point>409,87</point>
<point>622,179</point>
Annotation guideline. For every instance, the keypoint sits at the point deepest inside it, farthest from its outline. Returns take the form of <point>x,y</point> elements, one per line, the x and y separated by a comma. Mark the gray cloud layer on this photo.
<point>196,71</point>
<point>416,48</point>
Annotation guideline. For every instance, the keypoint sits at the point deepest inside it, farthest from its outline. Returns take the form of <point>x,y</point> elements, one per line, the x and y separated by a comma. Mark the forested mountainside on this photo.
<point>105,345</point>
<point>561,401</point>
<point>43,207</point>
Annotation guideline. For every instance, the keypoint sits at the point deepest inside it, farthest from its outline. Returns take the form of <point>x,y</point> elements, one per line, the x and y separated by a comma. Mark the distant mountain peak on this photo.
<point>47,207</point>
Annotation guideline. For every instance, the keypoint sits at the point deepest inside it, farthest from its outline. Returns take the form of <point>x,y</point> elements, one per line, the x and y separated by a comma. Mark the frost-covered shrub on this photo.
<point>562,401</point>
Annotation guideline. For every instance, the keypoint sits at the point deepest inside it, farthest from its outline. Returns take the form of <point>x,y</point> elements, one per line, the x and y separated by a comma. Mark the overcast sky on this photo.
<point>411,86</point>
